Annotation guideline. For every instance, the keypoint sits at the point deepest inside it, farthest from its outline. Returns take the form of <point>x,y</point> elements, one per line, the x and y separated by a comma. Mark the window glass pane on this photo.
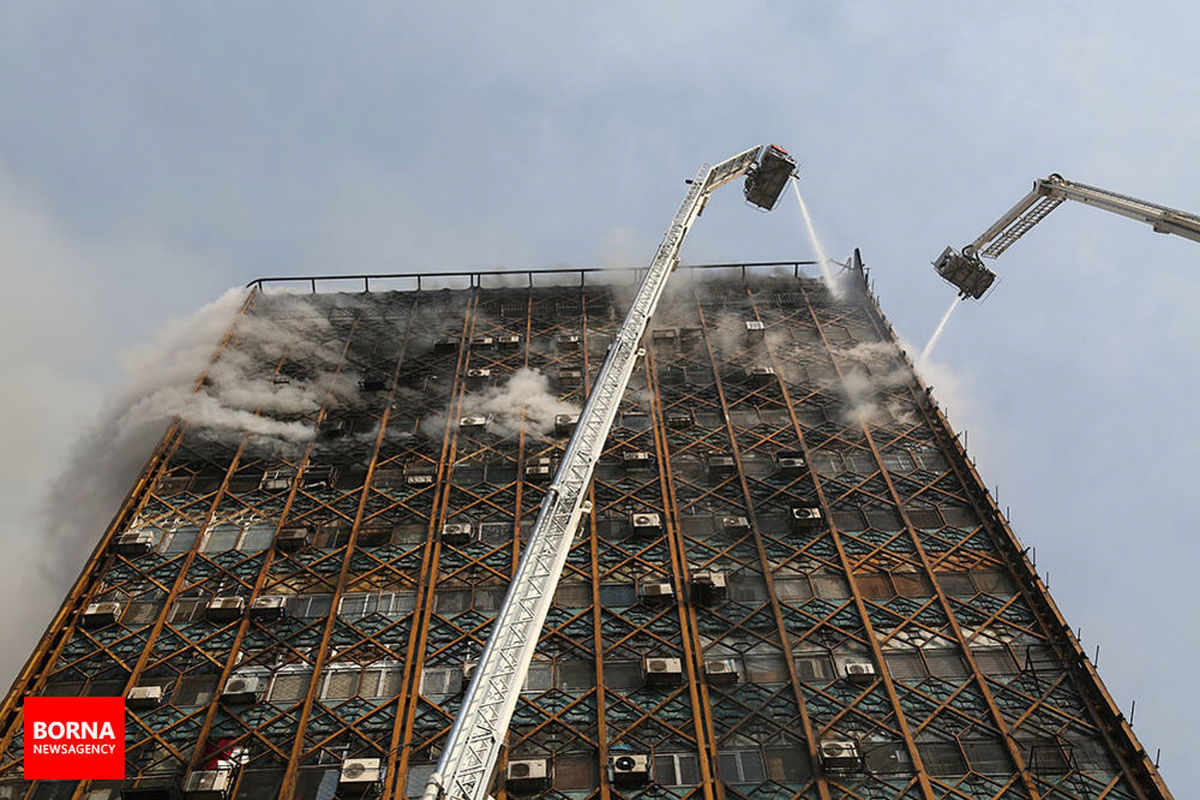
<point>575,771</point>
<point>313,605</point>
<point>222,537</point>
<point>540,677</point>
<point>452,601</point>
<point>786,764</point>
<point>988,757</point>
<point>622,674</point>
<point>186,609</point>
<point>441,680</point>
<point>814,668</point>
<point>874,584</point>
<point>576,675</point>
<point>489,598</point>
<point>955,583</point>
<point>945,663</point>
<point>140,613</point>
<point>340,685</point>
<point>887,758</point>
<point>496,532</point>
<point>399,603</point>
<point>765,668</point>
<point>942,758</point>
<point>830,587</point>
<point>912,584</point>
<point>258,537</point>
<point>195,690</point>
<point>181,540</point>
<point>573,595</point>
<point>995,661</point>
<point>409,534</point>
<point>905,665</point>
<point>793,587</point>
<point>288,687</point>
<point>747,587</point>
<point>615,595</point>
<point>676,769</point>
<point>993,582</point>
<point>356,605</point>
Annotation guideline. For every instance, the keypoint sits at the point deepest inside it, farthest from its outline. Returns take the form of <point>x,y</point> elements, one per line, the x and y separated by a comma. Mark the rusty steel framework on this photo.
<point>791,583</point>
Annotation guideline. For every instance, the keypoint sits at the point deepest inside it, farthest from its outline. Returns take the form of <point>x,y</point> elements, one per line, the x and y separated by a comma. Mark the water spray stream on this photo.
<point>826,274</point>
<point>941,327</point>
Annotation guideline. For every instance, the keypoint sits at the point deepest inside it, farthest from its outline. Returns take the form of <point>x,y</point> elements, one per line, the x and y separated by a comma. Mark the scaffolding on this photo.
<point>791,582</point>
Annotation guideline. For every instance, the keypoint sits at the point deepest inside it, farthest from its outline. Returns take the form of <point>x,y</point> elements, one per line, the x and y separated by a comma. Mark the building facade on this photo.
<point>792,583</point>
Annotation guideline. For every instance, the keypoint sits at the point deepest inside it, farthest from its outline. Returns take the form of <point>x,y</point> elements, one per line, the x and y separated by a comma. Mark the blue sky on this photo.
<point>153,155</point>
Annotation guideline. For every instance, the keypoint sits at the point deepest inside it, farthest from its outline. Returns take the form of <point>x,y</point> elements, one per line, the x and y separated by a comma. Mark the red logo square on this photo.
<point>71,738</point>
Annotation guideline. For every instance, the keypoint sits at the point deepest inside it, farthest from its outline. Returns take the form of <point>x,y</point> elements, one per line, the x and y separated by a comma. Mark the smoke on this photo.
<point>523,402</point>
<point>869,370</point>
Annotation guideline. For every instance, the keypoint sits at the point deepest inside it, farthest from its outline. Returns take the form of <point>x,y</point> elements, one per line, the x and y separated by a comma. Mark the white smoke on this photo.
<point>523,401</point>
<point>870,369</point>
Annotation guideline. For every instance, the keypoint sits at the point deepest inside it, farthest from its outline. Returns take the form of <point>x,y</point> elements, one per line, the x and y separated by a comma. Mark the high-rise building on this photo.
<point>791,584</point>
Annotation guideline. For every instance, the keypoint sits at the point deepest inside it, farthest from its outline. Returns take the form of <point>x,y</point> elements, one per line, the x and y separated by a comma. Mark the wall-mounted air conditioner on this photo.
<point>721,672</point>
<point>97,615</point>
<point>629,769</point>
<point>291,538</point>
<point>135,544</point>
<point>457,532</point>
<point>141,697</point>
<point>806,517</point>
<point>839,755</point>
<point>860,672</point>
<point>224,609</point>
<point>360,775</point>
<point>209,784</point>
<point>527,775</point>
<point>662,671</point>
<point>657,593</point>
<point>269,606</point>
<point>646,524</point>
<point>242,689</point>
<point>709,587</point>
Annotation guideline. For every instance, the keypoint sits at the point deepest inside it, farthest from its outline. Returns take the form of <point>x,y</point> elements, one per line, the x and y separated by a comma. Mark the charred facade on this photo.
<point>791,584</point>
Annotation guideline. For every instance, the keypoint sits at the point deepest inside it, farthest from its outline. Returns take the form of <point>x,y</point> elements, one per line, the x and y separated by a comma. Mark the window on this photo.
<point>496,532</point>
<point>339,684</point>
<point>988,757</point>
<point>257,538</point>
<point>623,674</point>
<point>309,606</point>
<point>540,677</point>
<point>452,601</point>
<point>573,594</point>
<point>186,609</point>
<point>409,534</point>
<point>381,681</point>
<point>830,587</point>
<point>576,675</point>
<point>917,664</point>
<point>441,680</point>
<point>1044,756</point>
<point>787,764</point>
<point>887,758</point>
<point>195,690</point>
<point>995,661</point>
<point>945,663</point>
<point>904,665</point>
<point>676,769</point>
<point>765,668</point>
<point>956,583</point>
<point>747,587</point>
<point>742,766</point>
<point>289,686</point>
<point>942,758</point>
<point>792,588</point>
<point>374,536</point>
<point>140,613</point>
<point>992,581</point>
<point>814,668</point>
<point>912,584</point>
<point>874,584</point>
<point>360,604</point>
<point>576,771</point>
<point>220,538</point>
<point>489,598</point>
<point>180,540</point>
<point>617,595</point>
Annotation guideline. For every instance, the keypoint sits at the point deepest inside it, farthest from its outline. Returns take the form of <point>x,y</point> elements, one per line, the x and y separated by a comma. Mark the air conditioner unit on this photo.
<point>209,784</point>
<point>482,341</point>
<point>479,373</point>
<point>755,326</point>
<point>275,482</point>
<point>242,689</point>
<point>373,383</point>
<point>839,755</point>
<point>144,697</point>
<point>97,615</point>
<point>860,672</point>
<point>680,419</point>
<point>418,479</point>
<point>709,587</point>
<point>657,593</point>
<point>735,523</point>
<point>224,609</point>
<point>291,539</point>
<point>760,374</point>
<point>638,460</point>
<point>565,423</point>
<point>359,775</point>
<point>508,342</point>
<point>445,345</point>
<point>646,524</point>
<point>539,470</point>
<point>790,464</point>
<point>721,464</point>
<point>663,671</point>
<point>457,532</point>
<point>473,421</point>
<point>527,775</point>
<point>135,544</point>
<point>570,377</point>
<point>721,672</point>
<point>629,769</point>
<point>804,517</point>
<point>320,476</point>
<point>568,342</point>
<point>333,429</point>
<point>269,606</point>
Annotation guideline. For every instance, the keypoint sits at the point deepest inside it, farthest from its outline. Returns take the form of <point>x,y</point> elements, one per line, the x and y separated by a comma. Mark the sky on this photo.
<point>153,155</point>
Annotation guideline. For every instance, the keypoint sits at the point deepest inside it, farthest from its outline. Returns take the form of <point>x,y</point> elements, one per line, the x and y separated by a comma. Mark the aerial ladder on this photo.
<point>472,750</point>
<point>965,270</point>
